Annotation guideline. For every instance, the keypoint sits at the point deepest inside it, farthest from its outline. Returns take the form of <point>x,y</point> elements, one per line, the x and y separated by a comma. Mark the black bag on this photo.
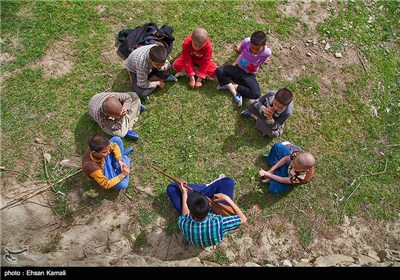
<point>146,34</point>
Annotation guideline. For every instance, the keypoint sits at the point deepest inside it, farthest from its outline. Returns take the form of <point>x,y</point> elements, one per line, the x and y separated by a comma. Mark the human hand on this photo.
<point>236,48</point>
<point>268,112</point>
<point>125,170</point>
<point>267,60</point>
<point>123,112</point>
<point>262,173</point>
<point>219,197</point>
<point>161,84</point>
<point>121,163</point>
<point>183,188</point>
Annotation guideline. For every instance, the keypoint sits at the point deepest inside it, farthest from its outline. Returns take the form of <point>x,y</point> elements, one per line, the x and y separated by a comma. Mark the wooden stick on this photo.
<point>216,207</point>
<point>36,192</point>
<point>362,63</point>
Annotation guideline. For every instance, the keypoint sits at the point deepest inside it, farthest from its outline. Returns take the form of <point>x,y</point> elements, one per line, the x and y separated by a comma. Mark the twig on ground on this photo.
<point>393,145</point>
<point>362,62</point>
<point>107,244</point>
<point>33,202</point>
<point>44,158</point>
<point>314,51</point>
<point>54,211</point>
<point>19,200</point>
<point>359,184</point>
<point>128,196</point>
<point>15,171</point>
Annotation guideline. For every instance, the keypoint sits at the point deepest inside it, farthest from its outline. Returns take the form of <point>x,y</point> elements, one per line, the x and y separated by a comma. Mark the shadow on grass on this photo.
<point>245,135</point>
<point>85,128</point>
<point>262,199</point>
<point>121,82</point>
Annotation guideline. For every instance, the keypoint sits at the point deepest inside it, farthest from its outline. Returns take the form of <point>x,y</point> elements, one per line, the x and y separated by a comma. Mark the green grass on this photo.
<point>196,135</point>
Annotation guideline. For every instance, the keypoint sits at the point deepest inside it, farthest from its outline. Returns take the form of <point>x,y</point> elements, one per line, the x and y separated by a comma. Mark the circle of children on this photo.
<point>107,162</point>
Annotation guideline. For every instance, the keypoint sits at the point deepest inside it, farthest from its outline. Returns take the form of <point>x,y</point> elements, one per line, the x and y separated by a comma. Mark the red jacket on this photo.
<point>201,57</point>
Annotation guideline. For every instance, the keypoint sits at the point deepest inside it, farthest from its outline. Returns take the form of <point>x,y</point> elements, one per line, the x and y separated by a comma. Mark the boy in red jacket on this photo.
<point>195,59</point>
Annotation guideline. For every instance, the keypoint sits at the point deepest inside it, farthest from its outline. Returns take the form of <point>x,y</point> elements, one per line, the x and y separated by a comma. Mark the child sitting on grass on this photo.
<point>195,59</point>
<point>107,162</point>
<point>240,79</point>
<point>288,168</point>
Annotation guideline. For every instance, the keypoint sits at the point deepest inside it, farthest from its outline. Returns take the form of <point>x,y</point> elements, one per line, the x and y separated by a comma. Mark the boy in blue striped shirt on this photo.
<point>201,227</point>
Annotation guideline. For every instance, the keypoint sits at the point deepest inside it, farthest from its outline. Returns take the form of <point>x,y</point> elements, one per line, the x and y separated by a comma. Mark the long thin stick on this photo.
<point>217,207</point>
<point>36,192</point>
<point>362,63</point>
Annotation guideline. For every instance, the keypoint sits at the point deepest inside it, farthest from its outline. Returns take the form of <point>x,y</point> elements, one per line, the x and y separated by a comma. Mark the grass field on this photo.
<point>346,114</point>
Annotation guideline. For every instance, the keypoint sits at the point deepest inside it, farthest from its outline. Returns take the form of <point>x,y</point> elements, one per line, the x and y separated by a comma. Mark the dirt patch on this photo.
<point>59,58</point>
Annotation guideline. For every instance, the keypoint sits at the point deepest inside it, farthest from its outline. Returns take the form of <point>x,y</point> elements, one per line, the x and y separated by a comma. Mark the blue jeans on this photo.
<point>111,165</point>
<point>277,152</point>
<point>225,185</point>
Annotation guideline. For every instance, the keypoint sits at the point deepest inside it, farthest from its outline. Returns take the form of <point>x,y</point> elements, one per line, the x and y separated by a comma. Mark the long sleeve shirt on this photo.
<point>139,63</point>
<point>96,112</point>
<point>279,117</point>
<point>193,57</point>
<point>94,168</point>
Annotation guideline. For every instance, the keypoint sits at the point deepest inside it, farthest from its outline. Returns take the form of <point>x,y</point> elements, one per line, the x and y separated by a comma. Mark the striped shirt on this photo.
<point>208,232</point>
<point>139,63</point>
<point>96,111</point>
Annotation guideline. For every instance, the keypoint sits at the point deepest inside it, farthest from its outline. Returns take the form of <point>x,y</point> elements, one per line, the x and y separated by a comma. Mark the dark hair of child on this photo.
<point>258,38</point>
<point>198,205</point>
<point>284,96</point>
<point>158,54</point>
<point>98,142</point>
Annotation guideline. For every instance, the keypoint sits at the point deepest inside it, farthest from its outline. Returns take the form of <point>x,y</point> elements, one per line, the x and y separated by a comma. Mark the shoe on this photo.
<point>222,87</point>
<point>180,74</point>
<point>171,78</point>
<point>209,78</point>
<point>266,154</point>
<point>146,98</point>
<point>239,100</point>
<point>222,175</point>
<point>132,134</point>
<point>142,108</point>
<point>128,151</point>
<point>291,147</point>
<point>246,113</point>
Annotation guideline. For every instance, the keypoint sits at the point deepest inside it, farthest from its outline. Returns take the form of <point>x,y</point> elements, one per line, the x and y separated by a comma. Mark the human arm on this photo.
<point>219,197</point>
<point>204,61</point>
<point>192,81</point>
<point>272,176</point>
<point>237,48</point>
<point>105,183</point>
<point>280,163</point>
<point>187,58</point>
<point>267,60</point>
<point>183,189</point>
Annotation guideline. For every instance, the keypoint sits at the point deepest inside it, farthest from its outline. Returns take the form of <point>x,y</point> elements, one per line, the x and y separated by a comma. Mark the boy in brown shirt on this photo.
<point>288,168</point>
<point>107,162</point>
